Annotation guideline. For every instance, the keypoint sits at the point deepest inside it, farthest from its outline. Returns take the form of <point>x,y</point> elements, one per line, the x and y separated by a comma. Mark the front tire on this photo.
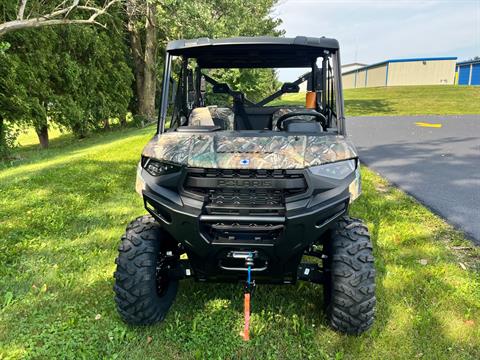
<point>349,289</point>
<point>144,291</point>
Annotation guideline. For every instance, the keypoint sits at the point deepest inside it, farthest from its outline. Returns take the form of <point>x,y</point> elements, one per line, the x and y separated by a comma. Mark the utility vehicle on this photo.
<point>240,191</point>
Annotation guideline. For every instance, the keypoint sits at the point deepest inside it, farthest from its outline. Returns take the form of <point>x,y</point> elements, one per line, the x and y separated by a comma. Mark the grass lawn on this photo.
<point>62,212</point>
<point>406,100</point>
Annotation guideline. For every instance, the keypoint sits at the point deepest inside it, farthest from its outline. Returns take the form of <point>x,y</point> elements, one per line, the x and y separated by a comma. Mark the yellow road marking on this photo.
<point>424,124</point>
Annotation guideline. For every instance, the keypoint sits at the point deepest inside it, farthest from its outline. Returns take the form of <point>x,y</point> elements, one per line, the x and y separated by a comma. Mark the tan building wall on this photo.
<point>360,79</point>
<point>434,72</point>
<point>348,81</point>
<point>376,76</point>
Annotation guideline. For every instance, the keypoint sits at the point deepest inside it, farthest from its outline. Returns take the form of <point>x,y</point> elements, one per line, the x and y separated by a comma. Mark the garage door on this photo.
<point>475,75</point>
<point>463,75</point>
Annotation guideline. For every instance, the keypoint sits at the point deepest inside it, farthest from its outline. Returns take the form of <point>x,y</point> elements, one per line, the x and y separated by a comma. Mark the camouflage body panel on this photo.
<point>228,150</point>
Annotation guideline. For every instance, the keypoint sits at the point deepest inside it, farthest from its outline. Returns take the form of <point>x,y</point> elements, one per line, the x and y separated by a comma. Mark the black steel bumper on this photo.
<point>306,218</point>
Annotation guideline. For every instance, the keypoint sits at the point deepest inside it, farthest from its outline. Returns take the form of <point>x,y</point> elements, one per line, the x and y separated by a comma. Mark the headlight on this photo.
<point>158,168</point>
<point>337,170</point>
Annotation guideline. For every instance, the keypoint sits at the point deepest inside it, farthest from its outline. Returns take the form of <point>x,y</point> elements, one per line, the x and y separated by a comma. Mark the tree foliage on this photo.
<point>176,19</point>
<point>225,18</point>
<point>76,77</point>
<point>216,18</point>
<point>79,77</point>
<point>256,84</point>
<point>12,100</point>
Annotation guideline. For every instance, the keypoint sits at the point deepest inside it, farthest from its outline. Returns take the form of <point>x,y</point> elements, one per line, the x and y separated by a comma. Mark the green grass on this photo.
<point>29,137</point>
<point>62,212</point>
<point>405,100</point>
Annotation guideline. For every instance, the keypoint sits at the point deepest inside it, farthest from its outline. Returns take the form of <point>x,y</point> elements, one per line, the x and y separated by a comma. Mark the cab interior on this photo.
<point>191,110</point>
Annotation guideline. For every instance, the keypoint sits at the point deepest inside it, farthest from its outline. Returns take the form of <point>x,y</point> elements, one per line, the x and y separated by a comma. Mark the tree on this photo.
<point>61,14</point>
<point>94,80</point>
<point>13,100</point>
<point>225,18</point>
<point>75,77</point>
<point>256,84</point>
<point>26,90</point>
<point>142,14</point>
<point>153,23</point>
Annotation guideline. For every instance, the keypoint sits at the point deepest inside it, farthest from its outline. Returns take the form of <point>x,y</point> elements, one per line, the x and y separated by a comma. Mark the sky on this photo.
<point>373,31</point>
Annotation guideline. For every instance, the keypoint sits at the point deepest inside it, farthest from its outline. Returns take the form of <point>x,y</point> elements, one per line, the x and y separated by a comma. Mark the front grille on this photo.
<point>288,182</point>
<point>244,193</point>
<point>245,202</point>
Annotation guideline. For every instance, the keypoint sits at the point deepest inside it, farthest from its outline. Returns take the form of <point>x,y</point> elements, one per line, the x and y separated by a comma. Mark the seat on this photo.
<point>222,116</point>
<point>200,116</point>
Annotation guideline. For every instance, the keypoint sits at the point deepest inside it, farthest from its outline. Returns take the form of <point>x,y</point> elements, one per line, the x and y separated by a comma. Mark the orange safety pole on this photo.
<point>246,329</point>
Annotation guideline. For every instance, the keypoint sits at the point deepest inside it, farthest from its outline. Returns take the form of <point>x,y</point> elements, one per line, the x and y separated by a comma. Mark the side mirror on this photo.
<point>290,88</point>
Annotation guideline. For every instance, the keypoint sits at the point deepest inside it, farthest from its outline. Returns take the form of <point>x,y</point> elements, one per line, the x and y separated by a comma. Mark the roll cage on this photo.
<point>262,52</point>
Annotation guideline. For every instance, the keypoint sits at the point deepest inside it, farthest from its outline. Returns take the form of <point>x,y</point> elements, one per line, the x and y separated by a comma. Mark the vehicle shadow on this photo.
<point>359,107</point>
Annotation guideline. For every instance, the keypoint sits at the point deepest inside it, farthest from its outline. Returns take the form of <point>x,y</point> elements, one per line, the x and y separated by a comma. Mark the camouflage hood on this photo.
<point>234,150</point>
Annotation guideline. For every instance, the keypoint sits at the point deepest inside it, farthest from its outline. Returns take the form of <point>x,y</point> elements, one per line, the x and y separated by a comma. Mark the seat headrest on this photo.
<point>200,116</point>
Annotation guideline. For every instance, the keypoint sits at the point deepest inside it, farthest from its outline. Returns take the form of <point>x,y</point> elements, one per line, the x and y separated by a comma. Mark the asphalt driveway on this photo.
<point>434,158</point>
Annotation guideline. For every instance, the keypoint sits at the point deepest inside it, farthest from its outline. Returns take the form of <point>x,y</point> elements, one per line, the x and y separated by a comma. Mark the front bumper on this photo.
<point>279,240</point>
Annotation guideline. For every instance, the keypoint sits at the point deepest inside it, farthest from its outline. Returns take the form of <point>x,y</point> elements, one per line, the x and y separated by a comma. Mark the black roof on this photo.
<point>241,52</point>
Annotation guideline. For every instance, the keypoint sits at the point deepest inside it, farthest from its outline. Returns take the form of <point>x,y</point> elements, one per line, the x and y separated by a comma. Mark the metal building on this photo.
<point>468,72</point>
<point>352,66</point>
<point>398,72</point>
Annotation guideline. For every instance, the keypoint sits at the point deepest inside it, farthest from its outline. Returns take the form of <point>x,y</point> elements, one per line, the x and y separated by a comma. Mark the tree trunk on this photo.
<point>42,132</point>
<point>106,124</point>
<point>3,139</point>
<point>123,121</point>
<point>138,63</point>
<point>147,106</point>
<point>144,60</point>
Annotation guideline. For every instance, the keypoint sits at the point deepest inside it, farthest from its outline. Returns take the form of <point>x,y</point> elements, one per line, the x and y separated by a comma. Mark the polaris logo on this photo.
<point>244,183</point>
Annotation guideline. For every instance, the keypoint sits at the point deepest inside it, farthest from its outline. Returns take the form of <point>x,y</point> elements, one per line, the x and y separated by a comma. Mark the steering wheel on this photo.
<point>307,112</point>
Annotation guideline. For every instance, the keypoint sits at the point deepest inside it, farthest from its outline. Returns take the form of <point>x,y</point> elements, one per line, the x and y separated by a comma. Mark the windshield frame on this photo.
<point>337,92</point>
